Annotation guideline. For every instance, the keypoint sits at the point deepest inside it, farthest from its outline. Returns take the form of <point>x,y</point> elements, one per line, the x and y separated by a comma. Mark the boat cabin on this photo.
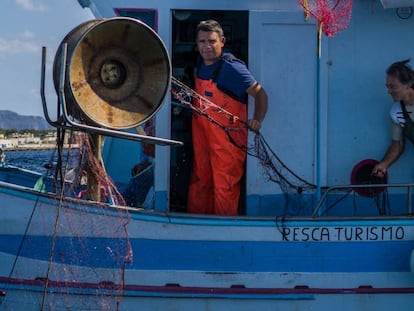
<point>328,104</point>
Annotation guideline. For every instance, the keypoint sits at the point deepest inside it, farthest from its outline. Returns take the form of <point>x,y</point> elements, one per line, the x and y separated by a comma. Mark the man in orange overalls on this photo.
<point>219,161</point>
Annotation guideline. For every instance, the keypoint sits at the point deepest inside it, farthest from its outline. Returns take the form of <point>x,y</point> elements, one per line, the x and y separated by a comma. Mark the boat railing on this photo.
<point>379,188</point>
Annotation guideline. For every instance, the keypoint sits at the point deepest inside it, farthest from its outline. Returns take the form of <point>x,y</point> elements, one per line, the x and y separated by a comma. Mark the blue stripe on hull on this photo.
<point>275,257</point>
<point>231,256</point>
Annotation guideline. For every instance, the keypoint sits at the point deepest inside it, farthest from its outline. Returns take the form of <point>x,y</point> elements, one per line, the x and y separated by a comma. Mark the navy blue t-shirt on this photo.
<point>233,77</point>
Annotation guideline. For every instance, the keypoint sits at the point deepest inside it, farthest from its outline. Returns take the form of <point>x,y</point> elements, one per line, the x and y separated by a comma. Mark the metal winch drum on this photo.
<point>117,72</point>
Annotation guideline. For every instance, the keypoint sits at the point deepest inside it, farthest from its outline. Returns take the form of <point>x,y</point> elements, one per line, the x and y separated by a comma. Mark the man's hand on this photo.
<point>254,125</point>
<point>379,170</point>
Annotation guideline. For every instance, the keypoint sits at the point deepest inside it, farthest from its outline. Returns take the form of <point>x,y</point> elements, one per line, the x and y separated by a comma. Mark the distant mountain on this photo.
<point>12,120</point>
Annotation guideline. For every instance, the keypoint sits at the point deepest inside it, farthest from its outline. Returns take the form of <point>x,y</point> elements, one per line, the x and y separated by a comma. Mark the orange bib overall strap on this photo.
<point>218,164</point>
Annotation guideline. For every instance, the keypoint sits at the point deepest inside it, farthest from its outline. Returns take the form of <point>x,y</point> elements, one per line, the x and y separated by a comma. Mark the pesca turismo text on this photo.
<point>331,234</point>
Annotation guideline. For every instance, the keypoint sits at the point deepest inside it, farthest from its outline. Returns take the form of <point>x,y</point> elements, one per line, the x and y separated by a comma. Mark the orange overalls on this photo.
<point>218,164</point>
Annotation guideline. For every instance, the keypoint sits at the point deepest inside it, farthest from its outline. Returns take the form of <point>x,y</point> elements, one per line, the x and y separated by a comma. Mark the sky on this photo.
<point>26,26</point>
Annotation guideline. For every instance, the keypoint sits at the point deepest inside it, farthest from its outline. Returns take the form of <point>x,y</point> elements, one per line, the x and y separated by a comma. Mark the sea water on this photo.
<point>35,160</point>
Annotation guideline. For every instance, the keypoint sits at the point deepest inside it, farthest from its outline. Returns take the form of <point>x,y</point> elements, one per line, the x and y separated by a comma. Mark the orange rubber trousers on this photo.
<point>218,164</point>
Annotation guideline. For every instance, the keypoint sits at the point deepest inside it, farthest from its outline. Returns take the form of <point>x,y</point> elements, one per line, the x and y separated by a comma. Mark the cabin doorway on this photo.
<point>183,58</point>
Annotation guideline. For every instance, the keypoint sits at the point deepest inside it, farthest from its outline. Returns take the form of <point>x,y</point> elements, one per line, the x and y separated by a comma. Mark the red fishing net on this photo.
<point>333,16</point>
<point>71,253</point>
<point>274,169</point>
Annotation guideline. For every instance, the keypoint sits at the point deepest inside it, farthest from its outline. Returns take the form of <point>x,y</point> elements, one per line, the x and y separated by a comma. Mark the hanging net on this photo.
<point>333,16</point>
<point>274,168</point>
<point>73,253</point>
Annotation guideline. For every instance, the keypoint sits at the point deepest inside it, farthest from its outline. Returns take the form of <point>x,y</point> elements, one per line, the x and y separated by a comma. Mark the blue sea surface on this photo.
<point>35,160</point>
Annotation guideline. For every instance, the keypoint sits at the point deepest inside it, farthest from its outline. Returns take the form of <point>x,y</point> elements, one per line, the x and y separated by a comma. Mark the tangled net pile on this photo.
<point>333,16</point>
<point>275,170</point>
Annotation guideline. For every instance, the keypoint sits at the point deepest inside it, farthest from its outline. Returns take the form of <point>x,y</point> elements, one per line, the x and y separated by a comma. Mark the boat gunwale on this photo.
<point>212,220</point>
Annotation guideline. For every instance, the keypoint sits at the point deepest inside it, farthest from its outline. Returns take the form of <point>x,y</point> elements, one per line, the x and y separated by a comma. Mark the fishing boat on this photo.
<point>315,230</point>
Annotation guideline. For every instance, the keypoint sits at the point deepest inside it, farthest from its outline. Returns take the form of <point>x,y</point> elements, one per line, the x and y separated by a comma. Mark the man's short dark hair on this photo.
<point>210,25</point>
<point>402,71</point>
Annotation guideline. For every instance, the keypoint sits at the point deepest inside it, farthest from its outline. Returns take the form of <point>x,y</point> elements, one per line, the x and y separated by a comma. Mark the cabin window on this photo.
<point>149,17</point>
